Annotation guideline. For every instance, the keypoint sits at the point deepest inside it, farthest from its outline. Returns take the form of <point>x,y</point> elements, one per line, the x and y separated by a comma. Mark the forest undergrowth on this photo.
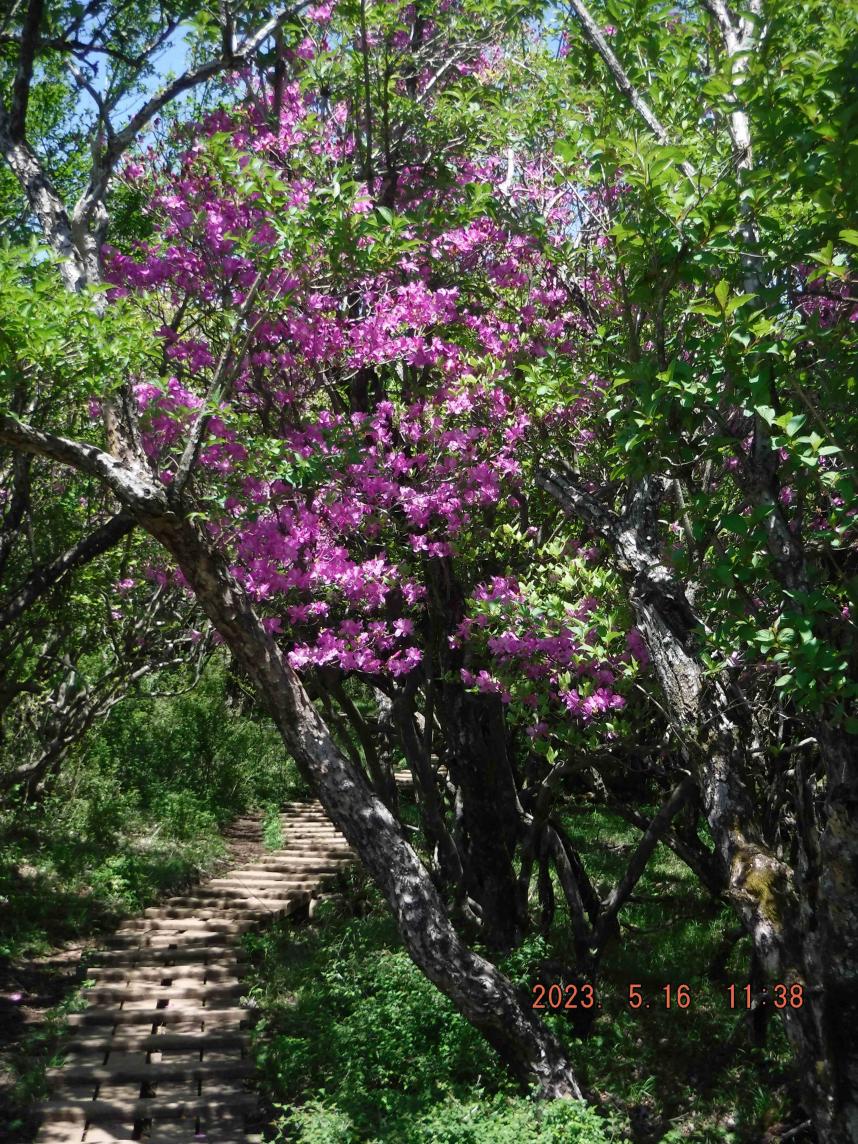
<point>354,1045</point>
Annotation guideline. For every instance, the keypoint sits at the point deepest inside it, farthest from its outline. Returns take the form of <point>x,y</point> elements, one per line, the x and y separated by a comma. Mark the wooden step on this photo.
<point>149,1108</point>
<point>257,905</point>
<point>177,926</point>
<point>301,851</point>
<point>258,895</point>
<point>212,1018</point>
<point>306,868</point>
<point>214,1039</point>
<point>150,1073</point>
<point>156,974</point>
<point>209,910</point>
<point>214,954</point>
<point>200,940</point>
<point>144,990</point>
<point>253,882</point>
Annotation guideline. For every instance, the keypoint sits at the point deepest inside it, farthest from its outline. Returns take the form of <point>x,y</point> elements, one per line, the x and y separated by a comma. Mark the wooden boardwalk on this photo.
<point>160,1054</point>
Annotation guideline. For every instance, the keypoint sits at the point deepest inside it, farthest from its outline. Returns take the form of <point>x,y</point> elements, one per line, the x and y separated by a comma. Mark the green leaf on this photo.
<point>733,522</point>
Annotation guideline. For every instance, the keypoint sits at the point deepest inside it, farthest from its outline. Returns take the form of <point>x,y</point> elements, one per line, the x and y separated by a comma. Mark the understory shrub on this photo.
<point>136,810</point>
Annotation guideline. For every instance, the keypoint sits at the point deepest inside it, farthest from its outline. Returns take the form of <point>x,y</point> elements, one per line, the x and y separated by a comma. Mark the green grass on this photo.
<point>354,1045</point>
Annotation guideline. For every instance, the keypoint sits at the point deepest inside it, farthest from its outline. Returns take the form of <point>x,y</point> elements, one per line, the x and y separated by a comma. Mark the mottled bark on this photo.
<point>836,900</point>
<point>804,924</point>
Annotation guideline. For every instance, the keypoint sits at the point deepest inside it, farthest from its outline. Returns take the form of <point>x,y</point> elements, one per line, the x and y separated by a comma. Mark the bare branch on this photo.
<point>124,138</point>
<point>652,836</point>
<point>225,372</point>
<point>593,35</point>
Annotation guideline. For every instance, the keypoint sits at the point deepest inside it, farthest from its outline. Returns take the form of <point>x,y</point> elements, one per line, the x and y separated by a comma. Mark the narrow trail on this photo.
<point>161,1053</point>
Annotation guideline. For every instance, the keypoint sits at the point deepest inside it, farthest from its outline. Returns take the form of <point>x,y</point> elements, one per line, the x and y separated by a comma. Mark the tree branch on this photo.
<point>24,73</point>
<point>46,576</point>
<point>122,139</point>
<point>652,836</point>
<point>224,374</point>
<point>593,35</point>
<point>45,202</point>
<point>135,489</point>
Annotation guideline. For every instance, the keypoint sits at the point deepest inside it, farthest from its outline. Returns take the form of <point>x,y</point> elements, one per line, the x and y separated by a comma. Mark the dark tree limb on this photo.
<point>652,836</point>
<point>24,72</point>
<point>46,576</point>
<point>594,36</point>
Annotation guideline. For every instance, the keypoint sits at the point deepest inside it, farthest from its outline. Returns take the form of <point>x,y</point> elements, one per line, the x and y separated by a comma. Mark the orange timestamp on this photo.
<point>583,996</point>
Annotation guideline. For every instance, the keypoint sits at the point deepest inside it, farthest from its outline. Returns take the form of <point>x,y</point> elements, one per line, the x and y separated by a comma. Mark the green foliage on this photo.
<point>35,318</point>
<point>272,828</point>
<point>499,1119</point>
<point>135,812</point>
<point>706,336</point>
<point>346,1015</point>
<point>509,1120</point>
<point>194,750</point>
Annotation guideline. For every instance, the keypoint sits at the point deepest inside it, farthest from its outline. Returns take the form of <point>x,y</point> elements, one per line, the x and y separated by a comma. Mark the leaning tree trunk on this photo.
<point>482,994</point>
<point>804,924</point>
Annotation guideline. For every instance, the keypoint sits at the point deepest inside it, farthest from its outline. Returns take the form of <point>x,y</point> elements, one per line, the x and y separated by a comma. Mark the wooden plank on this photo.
<point>217,1017</point>
<point>149,1108</point>
<point>218,971</point>
<point>147,991</point>
<point>241,910</point>
<point>259,904</point>
<point>194,928</point>
<point>154,1042</point>
<point>133,1067</point>
<point>194,955</point>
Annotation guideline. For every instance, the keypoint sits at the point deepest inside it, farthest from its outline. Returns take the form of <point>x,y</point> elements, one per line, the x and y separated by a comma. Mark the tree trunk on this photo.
<point>804,924</point>
<point>482,994</point>
<point>491,815</point>
<point>836,987</point>
<point>449,861</point>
